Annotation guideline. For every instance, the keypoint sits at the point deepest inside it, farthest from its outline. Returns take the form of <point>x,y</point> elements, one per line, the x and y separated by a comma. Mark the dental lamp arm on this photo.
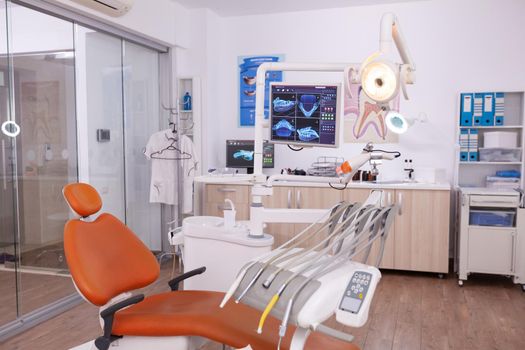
<point>354,164</point>
<point>391,30</point>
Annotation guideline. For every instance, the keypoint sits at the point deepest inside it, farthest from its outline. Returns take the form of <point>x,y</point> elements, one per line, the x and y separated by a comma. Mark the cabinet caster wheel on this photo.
<point>441,276</point>
<point>523,287</point>
<point>460,283</point>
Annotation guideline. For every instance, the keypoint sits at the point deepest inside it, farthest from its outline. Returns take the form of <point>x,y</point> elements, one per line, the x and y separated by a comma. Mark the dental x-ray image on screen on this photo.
<point>305,114</point>
<point>240,154</point>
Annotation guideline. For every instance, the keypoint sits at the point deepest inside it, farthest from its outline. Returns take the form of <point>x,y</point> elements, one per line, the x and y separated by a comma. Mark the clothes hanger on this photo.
<point>170,147</point>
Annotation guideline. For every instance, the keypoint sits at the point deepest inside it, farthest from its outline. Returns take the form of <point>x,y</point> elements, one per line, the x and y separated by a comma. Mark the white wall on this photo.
<point>198,59</point>
<point>46,33</point>
<point>157,20</point>
<point>457,46</point>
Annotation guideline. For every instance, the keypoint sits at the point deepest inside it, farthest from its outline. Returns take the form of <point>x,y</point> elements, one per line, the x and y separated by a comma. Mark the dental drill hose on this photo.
<point>320,269</point>
<point>279,257</point>
<point>275,252</point>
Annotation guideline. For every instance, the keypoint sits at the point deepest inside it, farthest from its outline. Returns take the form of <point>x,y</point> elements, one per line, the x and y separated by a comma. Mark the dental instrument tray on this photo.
<point>325,166</point>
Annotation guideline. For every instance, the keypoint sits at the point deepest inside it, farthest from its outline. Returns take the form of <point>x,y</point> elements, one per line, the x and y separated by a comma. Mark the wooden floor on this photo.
<point>410,311</point>
<point>36,290</point>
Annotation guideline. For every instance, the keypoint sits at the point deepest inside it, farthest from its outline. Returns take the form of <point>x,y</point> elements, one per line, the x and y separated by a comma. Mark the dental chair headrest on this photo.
<point>82,198</point>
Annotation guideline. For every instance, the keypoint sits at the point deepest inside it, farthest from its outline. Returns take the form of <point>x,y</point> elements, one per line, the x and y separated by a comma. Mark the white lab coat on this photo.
<point>163,188</point>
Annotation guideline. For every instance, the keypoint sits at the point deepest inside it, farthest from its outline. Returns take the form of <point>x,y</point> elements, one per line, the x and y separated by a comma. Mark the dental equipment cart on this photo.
<point>491,234</point>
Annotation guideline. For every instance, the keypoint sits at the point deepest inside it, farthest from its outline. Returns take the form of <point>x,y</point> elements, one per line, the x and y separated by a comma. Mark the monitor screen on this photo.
<point>305,114</point>
<point>240,154</point>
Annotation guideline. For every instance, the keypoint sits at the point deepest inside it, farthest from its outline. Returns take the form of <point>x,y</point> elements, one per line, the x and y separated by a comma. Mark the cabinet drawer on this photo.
<point>236,193</point>
<point>491,250</point>
<point>494,201</point>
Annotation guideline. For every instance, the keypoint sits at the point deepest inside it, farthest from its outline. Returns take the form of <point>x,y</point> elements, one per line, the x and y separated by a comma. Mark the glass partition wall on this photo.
<point>75,105</point>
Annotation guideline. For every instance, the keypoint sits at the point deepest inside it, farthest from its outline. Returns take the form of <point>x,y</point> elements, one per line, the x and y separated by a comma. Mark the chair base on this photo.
<point>157,343</point>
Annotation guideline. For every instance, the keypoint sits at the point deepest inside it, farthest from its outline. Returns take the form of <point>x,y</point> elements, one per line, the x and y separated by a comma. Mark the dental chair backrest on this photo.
<point>105,257</point>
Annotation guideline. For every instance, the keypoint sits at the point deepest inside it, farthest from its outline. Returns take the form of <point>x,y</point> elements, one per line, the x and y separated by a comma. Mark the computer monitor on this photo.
<point>240,154</point>
<point>305,115</point>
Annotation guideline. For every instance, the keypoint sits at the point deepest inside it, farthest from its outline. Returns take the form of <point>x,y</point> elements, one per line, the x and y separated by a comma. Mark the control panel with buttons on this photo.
<point>355,303</point>
<point>356,292</point>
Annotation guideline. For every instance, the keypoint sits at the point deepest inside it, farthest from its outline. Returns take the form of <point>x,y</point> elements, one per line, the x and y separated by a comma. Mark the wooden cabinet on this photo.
<point>282,197</point>
<point>422,230</point>
<point>315,198</point>
<point>215,195</point>
<point>387,262</point>
<point>292,197</point>
<point>418,240</point>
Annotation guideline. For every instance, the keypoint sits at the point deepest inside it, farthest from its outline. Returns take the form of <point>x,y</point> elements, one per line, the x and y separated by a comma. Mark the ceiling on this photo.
<point>227,8</point>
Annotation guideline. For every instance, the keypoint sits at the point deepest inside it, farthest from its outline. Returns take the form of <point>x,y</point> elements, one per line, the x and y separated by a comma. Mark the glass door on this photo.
<point>39,151</point>
<point>63,85</point>
<point>8,247</point>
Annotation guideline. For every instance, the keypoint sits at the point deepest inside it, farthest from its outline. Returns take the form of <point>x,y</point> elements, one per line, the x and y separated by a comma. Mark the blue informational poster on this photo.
<point>247,75</point>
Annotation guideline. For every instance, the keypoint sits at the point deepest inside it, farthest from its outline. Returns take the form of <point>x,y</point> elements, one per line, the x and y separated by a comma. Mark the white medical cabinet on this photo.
<point>491,234</point>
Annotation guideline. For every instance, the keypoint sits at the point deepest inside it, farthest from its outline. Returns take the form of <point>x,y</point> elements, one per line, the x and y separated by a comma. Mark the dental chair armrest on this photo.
<point>174,283</point>
<point>108,315</point>
<point>120,305</point>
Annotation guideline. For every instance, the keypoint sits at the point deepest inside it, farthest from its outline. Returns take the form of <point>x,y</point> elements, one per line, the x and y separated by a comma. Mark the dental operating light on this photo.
<point>398,123</point>
<point>380,80</point>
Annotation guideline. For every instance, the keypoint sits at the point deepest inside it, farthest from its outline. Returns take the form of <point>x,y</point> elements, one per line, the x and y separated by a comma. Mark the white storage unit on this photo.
<point>489,141</point>
<point>491,249</point>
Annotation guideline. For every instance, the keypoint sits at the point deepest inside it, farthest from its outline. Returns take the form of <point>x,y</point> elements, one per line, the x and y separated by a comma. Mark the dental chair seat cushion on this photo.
<point>197,313</point>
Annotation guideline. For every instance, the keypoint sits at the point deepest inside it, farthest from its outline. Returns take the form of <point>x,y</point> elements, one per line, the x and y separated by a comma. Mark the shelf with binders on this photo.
<point>493,127</point>
<point>490,163</point>
<point>472,167</point>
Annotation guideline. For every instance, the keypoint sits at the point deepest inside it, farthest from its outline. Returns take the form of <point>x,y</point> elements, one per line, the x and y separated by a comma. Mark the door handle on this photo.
<point>513,251</point>
<point>226,190</point>
<point>400,202</point>
<point>289,199</point>
<point>4,169</point>
<point>299,199</point>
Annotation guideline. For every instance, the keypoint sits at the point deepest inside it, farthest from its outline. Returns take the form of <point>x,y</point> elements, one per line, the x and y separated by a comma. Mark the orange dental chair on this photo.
<point>108,261</point>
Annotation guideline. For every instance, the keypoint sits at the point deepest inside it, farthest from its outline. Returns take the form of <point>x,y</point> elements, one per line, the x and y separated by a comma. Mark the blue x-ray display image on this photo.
<point>240,154</point>
<point>309,105</point>
<point>284,129</point>
<point>308,129</point>
<point>287,107</point>
<point>304,114</point>
<point>244,154</point>
<point>247,85</point>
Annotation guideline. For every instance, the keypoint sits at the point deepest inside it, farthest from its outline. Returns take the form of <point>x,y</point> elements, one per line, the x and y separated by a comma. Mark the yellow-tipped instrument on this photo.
<point>266,312</point>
